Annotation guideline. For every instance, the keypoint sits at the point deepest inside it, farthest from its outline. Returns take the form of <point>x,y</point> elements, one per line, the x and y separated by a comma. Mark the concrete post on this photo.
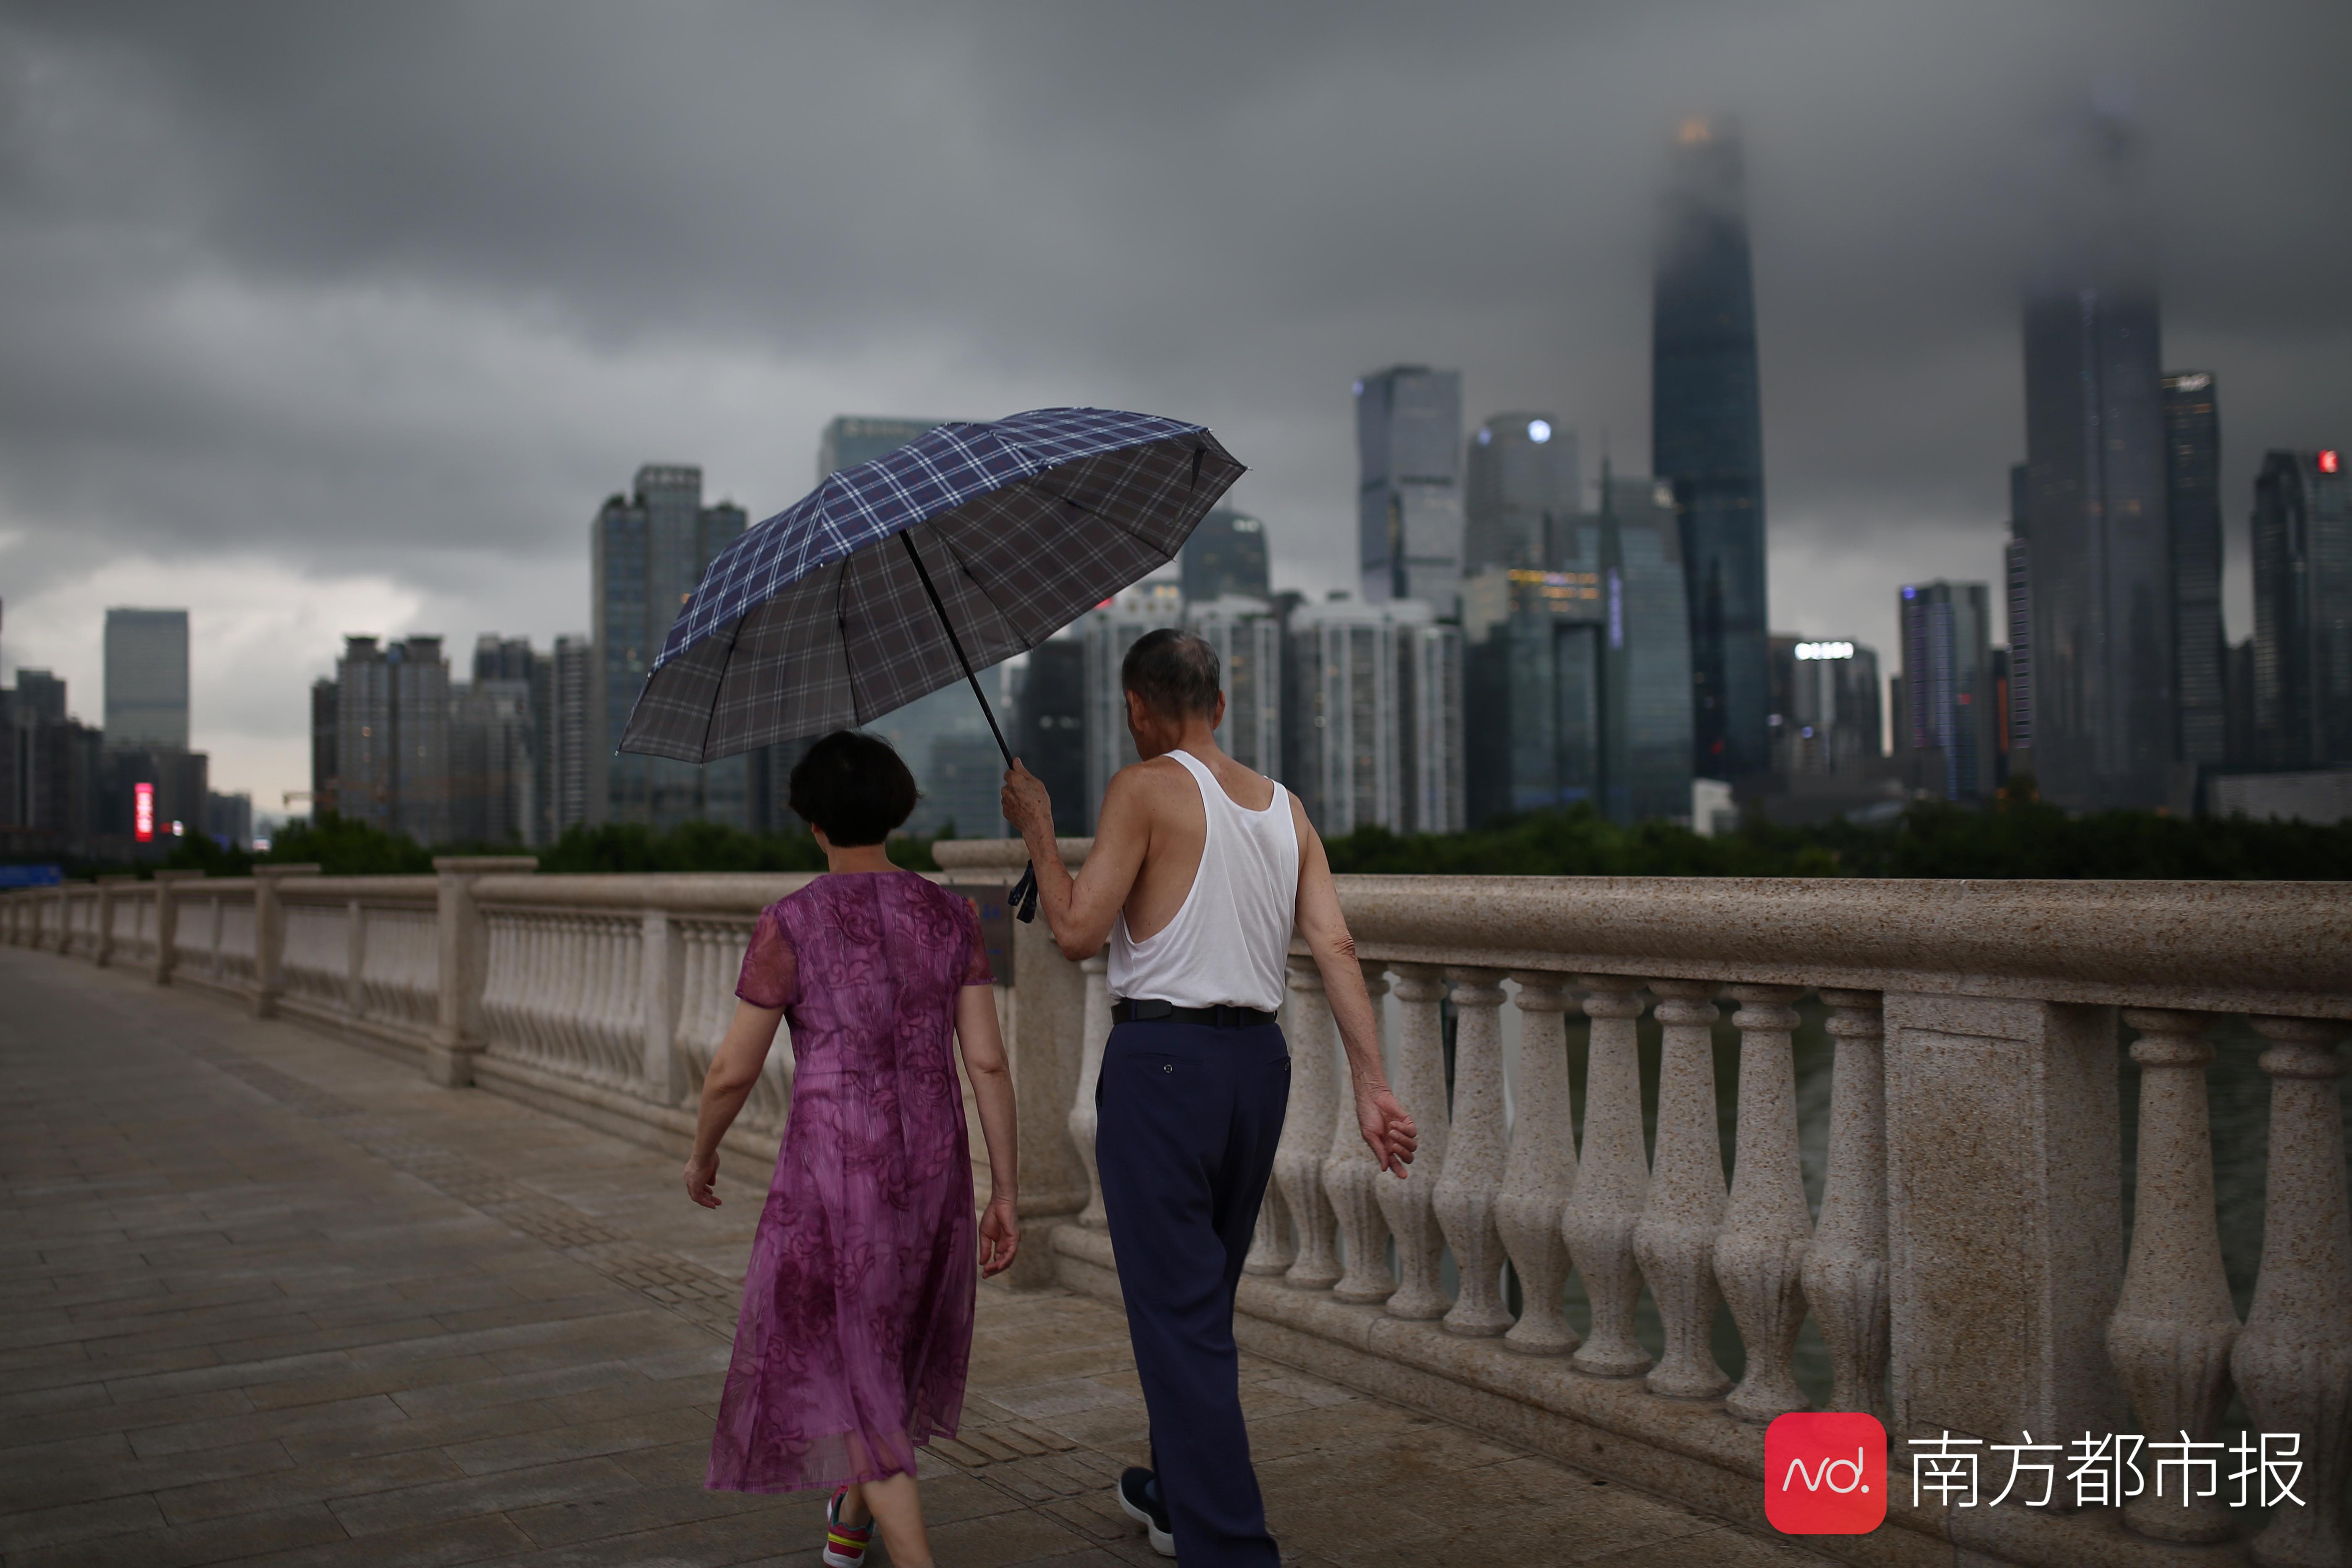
<point>1047,1045</point>
<point>106,895</point>
<point>2004,1184</point>
<point>457,1037</point>
<point>167,920</point>
<point>660,995</point>
<point>270,935</point>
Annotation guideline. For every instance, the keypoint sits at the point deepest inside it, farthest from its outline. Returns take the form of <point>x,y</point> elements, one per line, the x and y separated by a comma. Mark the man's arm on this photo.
<point>1079,910</point>
<point>1386,1128</point>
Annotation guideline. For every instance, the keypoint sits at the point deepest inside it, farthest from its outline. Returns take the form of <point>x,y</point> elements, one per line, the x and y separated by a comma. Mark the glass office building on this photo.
<point>1577,680</point>
<point>1950,704</point>
<point>1226,554</point>
<point>2192,502</point>
<point>147,678</point>
<point>1409,488</point>
<point>1521,488</point>
<point>2303,610</point>
<point>1706,438</point>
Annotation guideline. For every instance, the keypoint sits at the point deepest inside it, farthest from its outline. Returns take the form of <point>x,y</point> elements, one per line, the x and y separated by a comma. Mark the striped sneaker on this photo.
<point>845,1544</point>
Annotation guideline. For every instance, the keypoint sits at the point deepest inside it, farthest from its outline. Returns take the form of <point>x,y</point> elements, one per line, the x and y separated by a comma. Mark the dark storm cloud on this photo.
<point>407,289</point>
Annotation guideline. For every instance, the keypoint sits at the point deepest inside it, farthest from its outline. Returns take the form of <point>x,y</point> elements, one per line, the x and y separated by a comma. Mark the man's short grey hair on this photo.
<point>1174,672</point>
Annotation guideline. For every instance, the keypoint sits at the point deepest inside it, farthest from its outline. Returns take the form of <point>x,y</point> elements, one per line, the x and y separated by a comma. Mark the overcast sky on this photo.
<point>336,318</point>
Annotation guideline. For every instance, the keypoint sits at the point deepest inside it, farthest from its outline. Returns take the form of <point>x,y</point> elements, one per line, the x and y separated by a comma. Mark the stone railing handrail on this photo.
<point>1967,1266</point>
<point>2249,947</point>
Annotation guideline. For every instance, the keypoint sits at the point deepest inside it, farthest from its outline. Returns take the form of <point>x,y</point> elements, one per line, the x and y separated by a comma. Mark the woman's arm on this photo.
<point>734,1070</point>
<point>992,1086</point>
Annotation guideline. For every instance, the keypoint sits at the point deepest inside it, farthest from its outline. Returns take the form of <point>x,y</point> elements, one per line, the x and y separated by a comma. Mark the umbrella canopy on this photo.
<point>819,619</point>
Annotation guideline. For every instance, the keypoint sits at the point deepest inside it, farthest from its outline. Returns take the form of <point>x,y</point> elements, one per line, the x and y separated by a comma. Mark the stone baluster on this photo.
<point>1094,1029</point>
<point>354,958</point>
<point>1759,1254</point>
<point>1272,1247</point>
<point>661,999</point>
<point>2293,1361</point>
<point>1420,1085</point>
<point>2173,1324</point>
<point>1298,1159</point>
<point>1476,1151</point>
<point>1676,1238</point>
<point>1846,1267</point>
<point>167,921</point>
<point>1612,1178</point>
<point>1352,1181</point>
<point>1540,1176</point>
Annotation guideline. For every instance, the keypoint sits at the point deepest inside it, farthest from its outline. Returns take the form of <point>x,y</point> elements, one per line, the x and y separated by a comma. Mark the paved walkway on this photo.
<point>266,1297</point>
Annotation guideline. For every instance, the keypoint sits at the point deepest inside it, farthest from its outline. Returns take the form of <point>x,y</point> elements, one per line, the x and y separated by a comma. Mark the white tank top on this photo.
<point>1228,942</point>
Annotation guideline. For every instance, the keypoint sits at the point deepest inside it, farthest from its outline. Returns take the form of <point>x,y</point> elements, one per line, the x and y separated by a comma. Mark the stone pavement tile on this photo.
<point>108,1416</point>
<point>1000,1540</point>
<point>305,1484</point>
<point>594,1518</point>
<point>508,1388</point>
<point>24,1529</point>
<point>184,1546</point>
<point>351,1380</point>
<point>85,1470</point>
<point>708,1359</point>
<point>439,1545</point>
<point>1044,1401</point>
<point>261,1425</point>
<point>464,1495</point>
<point>787,1531</point>
<point>1724,1546</point>
<point>587,1440</point>
<point>425,1432</point>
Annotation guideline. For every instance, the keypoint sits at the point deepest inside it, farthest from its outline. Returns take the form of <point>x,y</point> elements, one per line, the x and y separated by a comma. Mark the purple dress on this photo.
<point>856,1327</point>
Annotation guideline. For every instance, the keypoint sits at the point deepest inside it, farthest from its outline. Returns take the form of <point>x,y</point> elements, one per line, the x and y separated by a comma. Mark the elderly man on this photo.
<point>1200,870</point>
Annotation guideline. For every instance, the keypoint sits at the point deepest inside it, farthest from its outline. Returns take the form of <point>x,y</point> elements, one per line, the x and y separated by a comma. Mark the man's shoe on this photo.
<point>1138,1498</point>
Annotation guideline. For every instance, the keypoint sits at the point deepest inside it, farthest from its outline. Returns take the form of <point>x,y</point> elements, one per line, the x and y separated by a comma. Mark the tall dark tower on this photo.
<point>2106,722</point>
<point>2192,486</point>
<point>1707,436</point>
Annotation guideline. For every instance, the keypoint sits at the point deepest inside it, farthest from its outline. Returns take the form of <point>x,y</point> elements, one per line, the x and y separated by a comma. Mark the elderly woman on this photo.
<point>856,1326</point>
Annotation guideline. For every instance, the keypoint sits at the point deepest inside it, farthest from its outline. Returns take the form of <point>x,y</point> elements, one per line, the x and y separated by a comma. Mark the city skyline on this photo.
<point>522,356</point>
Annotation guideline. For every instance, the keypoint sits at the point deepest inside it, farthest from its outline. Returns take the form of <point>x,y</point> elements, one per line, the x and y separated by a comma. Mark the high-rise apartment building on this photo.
<point>1375,699</point>
<point>1107,633</point>
<point>1826,707</point>
<point>2017,581</point>
<point>1409,490</point>
<point>568,675</point>
<point>391,733</point>
<point>2192,499</point>
<point>1950,707</point>
<point>147,678</point>
<point>1226,554</point>
<point>1521,488</point>
<point>2303,610</point>
<point>2099,544</point>
<point>1248,639</point>
<point>650,548</point>
<point>850,439</point>
<point>1579,678</point>
<point>493,764</point>
<point>326,746</point>
<point>1049,726</point>
<point>1706,438</point>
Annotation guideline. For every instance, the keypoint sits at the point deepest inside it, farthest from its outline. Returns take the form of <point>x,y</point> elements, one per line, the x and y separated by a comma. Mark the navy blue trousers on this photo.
<point>1187,1117</point>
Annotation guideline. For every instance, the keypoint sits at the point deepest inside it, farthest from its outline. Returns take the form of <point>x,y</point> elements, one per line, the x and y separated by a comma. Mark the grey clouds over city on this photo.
<point>328,318</point>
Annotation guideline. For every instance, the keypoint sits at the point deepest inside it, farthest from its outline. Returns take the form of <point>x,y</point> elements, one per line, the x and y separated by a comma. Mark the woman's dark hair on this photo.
<point>855,787</point>
<point>1174,672</point>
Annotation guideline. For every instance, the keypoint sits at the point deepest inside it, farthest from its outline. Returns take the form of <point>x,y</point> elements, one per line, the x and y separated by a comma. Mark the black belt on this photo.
<point>1148,1011</point>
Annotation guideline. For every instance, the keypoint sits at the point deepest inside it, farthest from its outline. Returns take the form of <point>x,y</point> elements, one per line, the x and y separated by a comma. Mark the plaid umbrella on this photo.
<point>891,579</point>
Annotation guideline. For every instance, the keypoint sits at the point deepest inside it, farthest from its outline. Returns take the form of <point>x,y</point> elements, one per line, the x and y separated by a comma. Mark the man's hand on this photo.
<point>1026,804</point>
<point>1000,1235</point>
<point>699,1176</point>
<point>1386,1128</point>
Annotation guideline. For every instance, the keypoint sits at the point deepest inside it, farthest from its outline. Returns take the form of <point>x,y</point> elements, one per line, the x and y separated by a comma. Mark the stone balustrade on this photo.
<point>1571,1281</point>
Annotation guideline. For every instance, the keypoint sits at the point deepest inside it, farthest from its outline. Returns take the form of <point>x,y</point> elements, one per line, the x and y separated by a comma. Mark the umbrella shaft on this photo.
<point>956,643</point>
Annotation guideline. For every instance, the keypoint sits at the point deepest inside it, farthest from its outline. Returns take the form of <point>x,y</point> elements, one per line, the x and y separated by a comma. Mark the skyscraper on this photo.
<point>147,678</point>
<point>650,548</point>
<point>850,439</point>
<point>1376,697</point>
<point>2303,610</point>
<point>1049,727</point>
<point>493,764</point>
<point>2100,549</point>
<point>1248,640</point>
<point>392,734</point>
<point>1825,707</point>
<point>2017,574</point>
<point>1579,679</point>
<point>2192,500</point>
<point>1950,707</point>
<point>1409,490</point>
<point>1521,488</point>
<point>326,746</point>
<point>1706,438</point>
<point>570,705</point>
<point>1225,554</point>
